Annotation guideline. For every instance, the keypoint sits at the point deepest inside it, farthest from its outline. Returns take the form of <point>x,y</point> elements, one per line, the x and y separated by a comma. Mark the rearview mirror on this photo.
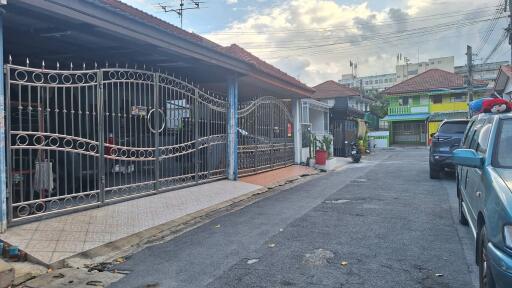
<point>468,158</point>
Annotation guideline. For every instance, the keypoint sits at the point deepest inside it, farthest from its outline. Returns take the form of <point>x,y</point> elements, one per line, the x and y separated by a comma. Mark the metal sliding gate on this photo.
<point>265,139</point>
<point>89,137</point>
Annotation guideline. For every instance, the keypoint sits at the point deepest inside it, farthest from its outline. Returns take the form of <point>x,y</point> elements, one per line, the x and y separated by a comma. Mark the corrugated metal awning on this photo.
<point>440,116</point>
<point>406,117</point>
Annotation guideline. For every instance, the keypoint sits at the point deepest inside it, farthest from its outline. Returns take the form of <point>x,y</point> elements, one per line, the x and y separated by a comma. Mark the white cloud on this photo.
<point>231,1</point>
<point>282,34</point>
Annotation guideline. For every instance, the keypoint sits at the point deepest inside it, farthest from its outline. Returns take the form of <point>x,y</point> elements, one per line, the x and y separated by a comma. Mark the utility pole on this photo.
<point>509,28</point>
<point>469,55</point>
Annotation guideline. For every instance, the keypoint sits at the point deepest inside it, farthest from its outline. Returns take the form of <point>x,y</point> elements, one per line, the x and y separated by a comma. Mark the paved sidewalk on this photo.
<point>279,176</point>
<point>58,238</point>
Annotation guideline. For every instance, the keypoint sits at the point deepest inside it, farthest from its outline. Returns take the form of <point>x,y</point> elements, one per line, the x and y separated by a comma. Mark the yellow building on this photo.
<point>417,106</point>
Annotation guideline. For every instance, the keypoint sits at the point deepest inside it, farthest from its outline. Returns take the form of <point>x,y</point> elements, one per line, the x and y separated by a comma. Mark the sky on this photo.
<point>315,40</point>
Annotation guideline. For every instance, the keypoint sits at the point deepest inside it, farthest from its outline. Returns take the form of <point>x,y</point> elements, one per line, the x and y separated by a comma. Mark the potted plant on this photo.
<point>322,153</point>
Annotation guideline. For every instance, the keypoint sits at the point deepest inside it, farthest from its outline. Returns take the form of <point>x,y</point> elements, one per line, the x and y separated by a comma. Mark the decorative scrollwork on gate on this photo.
<point>152,131</point>
<point>265,141</point>
<point>213,100</point>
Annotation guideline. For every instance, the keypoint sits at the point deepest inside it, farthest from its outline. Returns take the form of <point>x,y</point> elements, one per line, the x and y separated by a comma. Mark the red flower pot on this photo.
<point>320,157</point>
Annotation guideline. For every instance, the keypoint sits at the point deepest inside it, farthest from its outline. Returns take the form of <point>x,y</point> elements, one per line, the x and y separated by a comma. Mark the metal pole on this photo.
<point>3,183</point>
<point>232,131</point>
<point>509,29</point>
<point>469,54</point>
<point>101,137</point>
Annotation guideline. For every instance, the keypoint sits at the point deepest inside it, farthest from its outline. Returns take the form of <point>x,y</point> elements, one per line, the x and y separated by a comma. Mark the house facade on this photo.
<point>314,123</point>
<point>347,116</point>
<point>418,105</point>
<point>131,106</point>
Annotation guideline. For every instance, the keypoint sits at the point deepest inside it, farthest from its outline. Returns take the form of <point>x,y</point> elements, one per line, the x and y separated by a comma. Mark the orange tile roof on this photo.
<point>263,66</point>
<point>232,51</point>
<point>432,79</point>
<point>332,89</point>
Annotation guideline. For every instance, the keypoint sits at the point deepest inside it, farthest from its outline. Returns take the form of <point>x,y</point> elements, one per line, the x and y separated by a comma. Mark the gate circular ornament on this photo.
<point>79,78</point>
<point>23,210</point>
<point>54,204</point>
<point>53,79</point>
<point>38,78</point>
<point>93,197</point>
<point>80,200</point>
<point>162,125</point>
<point>68,143</point>
<point>54,141</point>
<point>67,79</point>
<point>22,140</point>
<point>40,207</point>
<point>39,140</point>
<point>23,74</point>
<point>93,148</point>
<point>91,77</point>
<point>112,75</point>
<point>68,202</point>
<point>80,145</point>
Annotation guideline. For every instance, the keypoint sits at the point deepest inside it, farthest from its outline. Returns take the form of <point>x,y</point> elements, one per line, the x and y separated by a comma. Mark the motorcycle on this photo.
<point>355,153</point>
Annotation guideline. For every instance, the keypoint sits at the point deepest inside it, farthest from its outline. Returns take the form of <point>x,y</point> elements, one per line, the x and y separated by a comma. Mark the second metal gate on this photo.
<point>265,139</point>
<point>82,138</point>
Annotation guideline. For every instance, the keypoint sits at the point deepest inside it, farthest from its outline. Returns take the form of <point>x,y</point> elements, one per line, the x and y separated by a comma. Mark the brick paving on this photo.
<point>279,176</point>
<point>55,239</point>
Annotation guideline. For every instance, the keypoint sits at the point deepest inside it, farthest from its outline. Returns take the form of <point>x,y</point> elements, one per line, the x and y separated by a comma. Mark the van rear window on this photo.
<point>453,127</point>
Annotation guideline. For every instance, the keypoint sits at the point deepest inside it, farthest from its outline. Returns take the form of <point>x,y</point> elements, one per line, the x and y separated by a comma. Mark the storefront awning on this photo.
<point>448,116</point>
<point>406,117</point>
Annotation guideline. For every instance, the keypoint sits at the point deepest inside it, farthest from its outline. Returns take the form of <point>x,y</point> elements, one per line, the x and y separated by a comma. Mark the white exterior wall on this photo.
<point>406,71</point>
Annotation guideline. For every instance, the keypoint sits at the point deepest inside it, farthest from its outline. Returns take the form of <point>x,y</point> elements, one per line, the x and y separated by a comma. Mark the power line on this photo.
<point>498,45</point>
<point>357,50</point>
<point>492,25</point>
<point>383,23</point>
<point>438,28</point>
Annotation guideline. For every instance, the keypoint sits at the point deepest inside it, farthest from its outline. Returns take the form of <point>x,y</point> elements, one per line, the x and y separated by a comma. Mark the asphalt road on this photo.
<point>380,223</point>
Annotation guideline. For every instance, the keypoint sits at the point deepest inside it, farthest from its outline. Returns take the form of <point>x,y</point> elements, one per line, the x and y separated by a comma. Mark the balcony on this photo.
<point>413,109</point>
<point>448,107</point>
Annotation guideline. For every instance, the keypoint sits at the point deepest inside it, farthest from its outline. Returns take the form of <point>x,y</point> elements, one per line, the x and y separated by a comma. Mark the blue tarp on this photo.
<point>407,117</point>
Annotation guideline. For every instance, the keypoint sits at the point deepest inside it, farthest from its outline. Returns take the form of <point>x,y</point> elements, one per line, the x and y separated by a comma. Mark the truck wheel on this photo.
<point>435,173</point>
<point>484,272</point>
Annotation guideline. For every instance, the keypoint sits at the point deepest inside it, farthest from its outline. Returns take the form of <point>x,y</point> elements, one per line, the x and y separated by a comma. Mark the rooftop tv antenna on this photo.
<point>182,6</point>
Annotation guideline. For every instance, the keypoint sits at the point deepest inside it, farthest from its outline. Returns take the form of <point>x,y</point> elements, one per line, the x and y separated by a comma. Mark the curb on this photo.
<point>120,246</point>
<point>6,274</point>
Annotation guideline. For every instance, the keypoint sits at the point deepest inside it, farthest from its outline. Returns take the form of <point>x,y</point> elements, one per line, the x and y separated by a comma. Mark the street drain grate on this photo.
<point>337,201</point>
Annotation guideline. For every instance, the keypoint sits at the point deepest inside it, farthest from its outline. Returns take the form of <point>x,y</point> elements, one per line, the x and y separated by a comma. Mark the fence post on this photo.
<point>3,182</point>
<point>297,130</point>
<point>156,100</point>
<point>101,137</point>
<point>232,131</point>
